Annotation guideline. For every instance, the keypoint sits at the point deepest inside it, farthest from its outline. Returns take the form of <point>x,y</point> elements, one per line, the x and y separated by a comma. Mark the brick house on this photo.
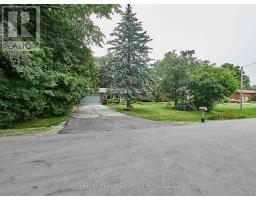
<point>247,96</point>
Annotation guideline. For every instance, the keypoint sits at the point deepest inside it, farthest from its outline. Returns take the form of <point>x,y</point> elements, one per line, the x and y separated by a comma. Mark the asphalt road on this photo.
<point>113,154</point>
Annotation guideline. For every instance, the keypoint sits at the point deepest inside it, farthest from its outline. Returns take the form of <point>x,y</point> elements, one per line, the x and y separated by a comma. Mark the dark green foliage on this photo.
<point>253,99</point>
<point>114,101</point>
<point>130,63</point>
<point>111,101</point>
<point>225,100</point>
<point>46,82</point>
<point>184,106</point>
<point>210,85</point>
<point>173,73</point>
<point>236,70</point>
<point>105,101</point>
<point>104,67</point>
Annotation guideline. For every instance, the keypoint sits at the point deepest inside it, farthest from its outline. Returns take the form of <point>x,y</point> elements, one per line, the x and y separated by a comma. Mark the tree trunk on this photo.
<point>175,102</point>
<point>129,103</point>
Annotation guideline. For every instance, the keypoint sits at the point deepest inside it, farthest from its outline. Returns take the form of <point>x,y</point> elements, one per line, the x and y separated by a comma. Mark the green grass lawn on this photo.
<point>35,126</point>
<point>161,112</point>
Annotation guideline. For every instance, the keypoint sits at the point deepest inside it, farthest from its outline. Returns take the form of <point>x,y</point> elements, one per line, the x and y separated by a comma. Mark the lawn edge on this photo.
<point>163,121</point>
<point>178,122</point>
<point>38,131</point>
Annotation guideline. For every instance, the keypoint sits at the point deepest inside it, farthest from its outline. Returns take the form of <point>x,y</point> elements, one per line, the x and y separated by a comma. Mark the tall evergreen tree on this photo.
<point>130,63</point>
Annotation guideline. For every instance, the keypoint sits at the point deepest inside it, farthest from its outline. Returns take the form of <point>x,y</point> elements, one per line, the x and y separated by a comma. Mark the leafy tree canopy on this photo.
<point>173,73</point>
<point>237,70</point>
<point>45,82</point>
<point>104,67</point>
<point>210,85</point>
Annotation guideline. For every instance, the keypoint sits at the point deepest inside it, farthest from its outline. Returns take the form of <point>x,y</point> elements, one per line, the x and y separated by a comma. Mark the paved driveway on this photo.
<point>98,118</point>
<point>120,155</point>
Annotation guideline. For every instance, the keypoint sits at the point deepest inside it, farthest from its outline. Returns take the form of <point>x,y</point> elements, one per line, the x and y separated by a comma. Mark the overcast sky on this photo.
<point>219,33</point>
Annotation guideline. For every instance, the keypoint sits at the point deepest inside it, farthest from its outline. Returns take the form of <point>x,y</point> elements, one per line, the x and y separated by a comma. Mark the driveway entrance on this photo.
<point>94,118</point>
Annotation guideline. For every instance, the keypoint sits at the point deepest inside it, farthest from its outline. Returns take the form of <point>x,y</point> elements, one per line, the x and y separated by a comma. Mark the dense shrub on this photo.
<point>105,101</point>
<point>210,85</point>
<point>46,82</point>
<point>111,101</point>
<point>184,106</point>
<point>225,100</point>
<point>253,99</point>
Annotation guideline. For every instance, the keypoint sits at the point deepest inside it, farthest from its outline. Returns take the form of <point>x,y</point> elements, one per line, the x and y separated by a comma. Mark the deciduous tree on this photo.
<point>210,85</point>
<point>237,70</point>
<point>173,72</point>
<point>46,82</point>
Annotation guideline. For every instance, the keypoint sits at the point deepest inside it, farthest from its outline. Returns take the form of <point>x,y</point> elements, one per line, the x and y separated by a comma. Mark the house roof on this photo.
<point>247,91</point>
<point>103,90</point>
<point>106,90</point>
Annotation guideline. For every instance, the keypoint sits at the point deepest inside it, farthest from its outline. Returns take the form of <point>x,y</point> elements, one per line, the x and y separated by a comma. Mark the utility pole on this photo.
<point>241,89</point>
<point>241,85</point>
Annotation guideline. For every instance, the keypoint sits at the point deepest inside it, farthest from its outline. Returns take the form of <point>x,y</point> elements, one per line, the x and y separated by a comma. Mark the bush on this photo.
<point>253,99</point>
<point>44,83</point>
<point>184,106</point>
<point>225,100</point>
<point>210,85</point>
<point>115,101</point>
<point>29,90</point>
<point>105,101</point>
<point>111,101</point>
<point>161,98</point>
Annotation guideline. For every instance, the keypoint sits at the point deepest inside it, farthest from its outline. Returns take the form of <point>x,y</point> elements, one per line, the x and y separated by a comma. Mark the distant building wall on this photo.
<point>246,96</point>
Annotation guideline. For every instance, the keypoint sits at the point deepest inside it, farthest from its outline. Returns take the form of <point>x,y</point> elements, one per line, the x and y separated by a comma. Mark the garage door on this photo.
<point>89,100</point>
